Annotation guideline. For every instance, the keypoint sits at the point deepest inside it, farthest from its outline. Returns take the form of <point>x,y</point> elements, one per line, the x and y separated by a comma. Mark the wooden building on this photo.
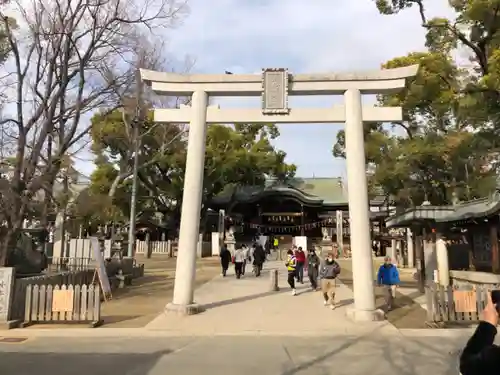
<point>469,232</point>
<point>313,207</point>
<point>301,208</point>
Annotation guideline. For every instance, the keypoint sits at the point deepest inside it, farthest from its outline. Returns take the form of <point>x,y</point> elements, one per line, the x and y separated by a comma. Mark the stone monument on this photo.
<point>6,294</point>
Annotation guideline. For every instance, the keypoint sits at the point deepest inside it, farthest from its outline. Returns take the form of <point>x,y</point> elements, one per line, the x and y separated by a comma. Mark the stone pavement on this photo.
<point>245,330</point>
<point>373,354</point>
<point>246,306</point>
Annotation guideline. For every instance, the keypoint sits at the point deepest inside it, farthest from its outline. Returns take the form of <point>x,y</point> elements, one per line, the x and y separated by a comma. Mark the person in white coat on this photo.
<point>238,260</point>
<point>246,251</point>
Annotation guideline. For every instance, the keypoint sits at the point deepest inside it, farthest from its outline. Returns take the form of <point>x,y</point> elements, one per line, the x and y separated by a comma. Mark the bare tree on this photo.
<point>68,58</point>
<point>135,107</point>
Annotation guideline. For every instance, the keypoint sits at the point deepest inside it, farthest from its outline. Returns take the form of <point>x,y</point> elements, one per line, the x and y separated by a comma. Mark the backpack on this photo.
<point>337,269</point>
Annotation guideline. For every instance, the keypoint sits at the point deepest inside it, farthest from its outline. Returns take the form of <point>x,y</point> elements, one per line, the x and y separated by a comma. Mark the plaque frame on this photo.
<point>284,80</point>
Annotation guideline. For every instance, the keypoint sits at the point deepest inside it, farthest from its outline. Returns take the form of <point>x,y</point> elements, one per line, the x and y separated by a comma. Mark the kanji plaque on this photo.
<point>62,301</point>
<point>465,301</point>
<point>275,91</point>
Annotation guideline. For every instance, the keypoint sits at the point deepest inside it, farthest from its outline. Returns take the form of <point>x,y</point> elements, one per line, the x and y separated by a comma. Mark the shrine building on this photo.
<point>313,207</point>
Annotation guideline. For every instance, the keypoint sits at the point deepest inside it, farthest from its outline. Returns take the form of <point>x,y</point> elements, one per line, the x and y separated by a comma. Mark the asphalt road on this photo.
<point>263,355</point>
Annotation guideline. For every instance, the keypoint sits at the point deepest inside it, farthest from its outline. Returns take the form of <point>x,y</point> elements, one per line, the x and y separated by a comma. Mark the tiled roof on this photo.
<point>330,190</point>
<point>474,209</point>
<point>314,190</point>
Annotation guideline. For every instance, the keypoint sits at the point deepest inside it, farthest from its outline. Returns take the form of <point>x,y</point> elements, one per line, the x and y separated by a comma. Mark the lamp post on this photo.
<point>133,197</point>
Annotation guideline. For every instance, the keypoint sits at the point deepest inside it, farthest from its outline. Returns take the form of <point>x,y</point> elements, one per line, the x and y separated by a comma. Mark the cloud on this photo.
<point>302,35</point>
<point>243,36</point>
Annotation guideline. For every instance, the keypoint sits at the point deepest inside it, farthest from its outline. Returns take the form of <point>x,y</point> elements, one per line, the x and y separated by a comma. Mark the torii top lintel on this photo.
<point>369,82</point>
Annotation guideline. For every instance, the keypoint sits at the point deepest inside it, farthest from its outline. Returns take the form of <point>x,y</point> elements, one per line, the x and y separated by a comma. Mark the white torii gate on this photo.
<point>274,86</point>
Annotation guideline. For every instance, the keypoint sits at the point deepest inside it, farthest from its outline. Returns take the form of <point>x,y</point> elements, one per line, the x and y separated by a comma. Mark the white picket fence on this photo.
<point>83,306</point>
<point>80,248</point>
<point>157,247</point>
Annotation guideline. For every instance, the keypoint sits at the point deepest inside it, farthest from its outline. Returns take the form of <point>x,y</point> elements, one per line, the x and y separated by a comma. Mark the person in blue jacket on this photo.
<point>388,277</point>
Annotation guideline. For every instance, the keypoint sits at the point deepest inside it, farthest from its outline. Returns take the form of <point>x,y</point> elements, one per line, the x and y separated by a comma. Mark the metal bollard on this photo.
<point>274,281</point>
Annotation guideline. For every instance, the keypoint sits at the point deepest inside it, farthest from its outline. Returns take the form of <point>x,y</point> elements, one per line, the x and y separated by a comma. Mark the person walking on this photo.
<point>291,266</point>
<point>246,251</point>
<point>301,261</point>
<point>225,259</point>
<point>259,256</point>
<point>267,247</point>
<point>238,258</point>
<point>313,263</point>
<point>388,278</point>
<point>329,271</point>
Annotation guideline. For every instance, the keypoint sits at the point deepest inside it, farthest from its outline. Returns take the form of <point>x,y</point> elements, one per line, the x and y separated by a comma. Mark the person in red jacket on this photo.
<point>301,261</point>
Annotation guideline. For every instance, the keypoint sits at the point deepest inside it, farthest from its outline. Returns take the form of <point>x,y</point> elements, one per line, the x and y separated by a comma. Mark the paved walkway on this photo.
<point>365,354</point>
<point>245,330</point>
<point>246,306</point>
<point>138,304</point>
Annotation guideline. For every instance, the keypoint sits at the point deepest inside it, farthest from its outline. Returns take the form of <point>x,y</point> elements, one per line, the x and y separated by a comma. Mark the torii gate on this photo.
<point>274,86</point>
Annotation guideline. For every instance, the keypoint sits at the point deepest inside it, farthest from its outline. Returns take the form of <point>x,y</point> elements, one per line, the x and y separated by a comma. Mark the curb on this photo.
<point>146,333</point>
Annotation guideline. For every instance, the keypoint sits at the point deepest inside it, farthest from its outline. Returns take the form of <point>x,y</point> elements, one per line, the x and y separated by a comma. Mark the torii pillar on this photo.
<point>274,86</point>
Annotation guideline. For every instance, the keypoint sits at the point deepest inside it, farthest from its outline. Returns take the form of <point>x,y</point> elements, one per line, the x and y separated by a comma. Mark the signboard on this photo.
<point>275,91</point>
<point>465,301</point>
<point>100,266</point>
<point>62,301</point>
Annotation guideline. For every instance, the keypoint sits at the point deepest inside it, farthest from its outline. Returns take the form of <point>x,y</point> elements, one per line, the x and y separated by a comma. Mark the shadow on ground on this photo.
<point>232,301</point>
<point>14,363</point>
<point>382,357</point>
<point>406,313</point>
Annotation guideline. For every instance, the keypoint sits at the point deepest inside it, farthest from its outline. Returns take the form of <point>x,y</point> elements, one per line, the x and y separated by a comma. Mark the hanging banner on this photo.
<point>284,228</point>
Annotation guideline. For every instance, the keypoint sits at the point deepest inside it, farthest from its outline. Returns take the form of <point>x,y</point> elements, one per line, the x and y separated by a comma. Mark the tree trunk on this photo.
<point>114,186</point>
<point>6,245</point>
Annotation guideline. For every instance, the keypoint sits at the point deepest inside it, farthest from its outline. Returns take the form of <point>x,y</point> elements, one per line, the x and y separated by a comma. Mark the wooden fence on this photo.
<point>54,304</point>
<point>79,248</point>
<point>20,285</point>
<point>69,264</point>
<point>170,248</point>
<point>156,247</point>
<point>451,305</point>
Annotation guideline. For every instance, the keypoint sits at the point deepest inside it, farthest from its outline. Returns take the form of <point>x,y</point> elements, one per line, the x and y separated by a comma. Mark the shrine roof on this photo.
<point>330,190</point>
<point>464,211</point>
<point>317,191</point>
<point>475,209</point>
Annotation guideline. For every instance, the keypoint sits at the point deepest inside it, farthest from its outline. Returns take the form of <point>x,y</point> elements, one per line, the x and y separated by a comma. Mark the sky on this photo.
<point>314,36</point>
